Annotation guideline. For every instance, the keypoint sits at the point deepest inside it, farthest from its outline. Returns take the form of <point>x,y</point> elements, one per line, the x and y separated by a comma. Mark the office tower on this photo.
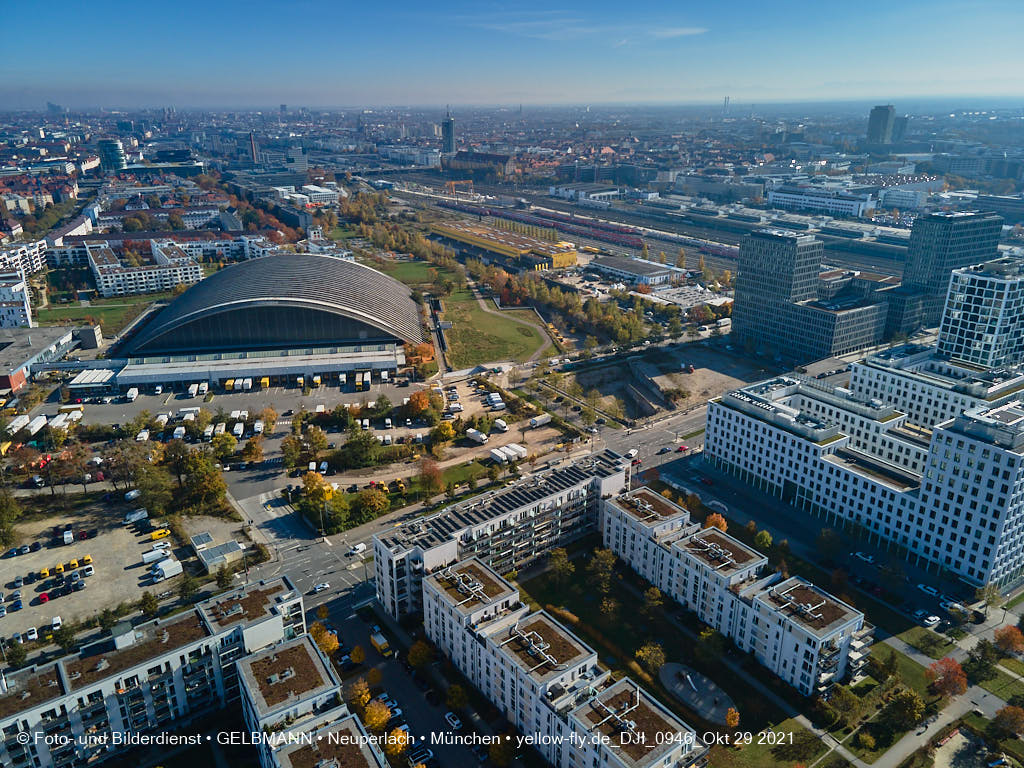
<point>252,148</point>
<point>983,322</point>
<point>112,157</point>
<point>940,243</point>
<point>448,134</point>
<point>899,128</point>
<point>880,124</point>
<point>777,311</point>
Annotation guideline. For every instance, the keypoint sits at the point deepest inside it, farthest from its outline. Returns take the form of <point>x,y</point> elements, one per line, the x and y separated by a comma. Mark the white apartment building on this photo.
<point>930,388</point>
<point>507,529</point>
<point>320,195</point>
<point>15,304</point>
<point>801,633</point>
<point>983,321</point>
<point>545,680</point>
<point>26,258</point>
<point>881,473</point>
<point>170,266</point>
<point>150,676</point>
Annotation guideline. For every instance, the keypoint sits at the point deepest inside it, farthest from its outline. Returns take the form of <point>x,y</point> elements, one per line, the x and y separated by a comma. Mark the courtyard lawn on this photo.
<point>113,313</point>
<point>793,745</point>
<point>928,642</point>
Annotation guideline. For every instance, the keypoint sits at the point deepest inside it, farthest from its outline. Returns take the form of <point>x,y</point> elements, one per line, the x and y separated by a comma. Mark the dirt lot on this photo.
<point>962,752</point>
<point>120,575</point>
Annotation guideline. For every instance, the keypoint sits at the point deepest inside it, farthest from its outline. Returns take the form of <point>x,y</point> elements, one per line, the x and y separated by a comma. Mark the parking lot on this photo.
<point>119,574</point>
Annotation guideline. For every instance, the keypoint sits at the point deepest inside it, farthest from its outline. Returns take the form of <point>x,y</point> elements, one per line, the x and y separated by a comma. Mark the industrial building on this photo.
<point>633,271</point>
<point>511,248</point>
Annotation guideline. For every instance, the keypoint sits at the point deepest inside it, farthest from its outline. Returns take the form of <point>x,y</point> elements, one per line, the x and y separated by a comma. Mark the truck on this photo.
<point>493,397</point>
<point>17,424</point>
<point>239,383</point>
<point>246,385</point>
<point>208,433</point>
<point>383,376</point>
<point>540,421</point>
<point>193,390</point>
<point>238,429</point>
<point>59,421</point>
<point>264,382</point>
<point>132,394</point>
<point>510,455</point>
<point>521,453</point>
<point>219,429</point>
<point>316,381</point>
<point>342,379</point>
<point>498,456</point>
<point>70,408</point>
<point>724,322</point>
<point>154,556</point>
<point>500,425</point>
<point>36,424</point>
<point>135,516</point>
<point>229,385</point>
<point>143,436</point>
<point>300,382</point>
<point>162,419</point>
<point>165,569</point>
<point>68,537</point>
<point>257,427</point>
<point>476,436</point>
<point>498,406</point>
<point>179,433</point>
<point>187,417</point>
<point>378,641</point>
<point>204,387</point>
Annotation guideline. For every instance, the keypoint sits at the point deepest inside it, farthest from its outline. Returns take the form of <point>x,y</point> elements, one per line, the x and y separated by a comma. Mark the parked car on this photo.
<point>869,559</point>
<point>321,587</point>
<point>925,618</point>
<point>928,590</point>
<point>452,719</point>
<point>32,634</point>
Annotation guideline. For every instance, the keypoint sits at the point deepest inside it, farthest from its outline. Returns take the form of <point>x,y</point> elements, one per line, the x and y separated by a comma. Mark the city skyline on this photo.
<point>192,55</point>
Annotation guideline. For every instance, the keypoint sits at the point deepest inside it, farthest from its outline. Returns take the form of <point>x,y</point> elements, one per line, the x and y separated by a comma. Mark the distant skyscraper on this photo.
<point>252,148</point>
<point>899,128</point>
<point>448,134</point>
<point>940,243</point>
<point>112,157</point>
<point>284,108</point>
<point>880,124</point>
<point>983,322</point>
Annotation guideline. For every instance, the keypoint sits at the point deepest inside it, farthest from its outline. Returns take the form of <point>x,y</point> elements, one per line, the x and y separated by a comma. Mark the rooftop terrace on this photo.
<point>724,553</point>
<point>648,506</point>
<point>471,584</point>
<point>810,606</point>
<point>542,646</point>
<point>285,673</point>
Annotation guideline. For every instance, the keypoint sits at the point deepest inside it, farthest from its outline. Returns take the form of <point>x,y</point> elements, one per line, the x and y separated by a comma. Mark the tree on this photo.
<point>16,655</point>
<point>989,595</point>
<point>65,638</point>
<point>1009,639</point>
<point>358,695</point>
<point>397,742</point>
<point>732,717</point>
<point>865,740</point>
<point>175,457</point>
<point>373,677</point>
<point>501,752</point>
<point>322,612</point>
<point>357,654</point>
<point>188,587</point>
<point>149,605</point>
<point>205,487</point>
<point>223,577</point>
<point>651,656</point>
<point>269,418</point>
<point>560,567</point>
<point>763,540</point>
<point>376,715</point>
<point>291,451</point>
<point>846,703</point>
<point>326,641</point>
<point>420,654</point>
<point>253,450</point>
<point>1009,721</point>
<point>223,446</point>
<point>10,511</point>
<point>371,504</point>
<point>906,709</point>
<point>156,493</point>
<point>609,608</point>
<point>107,619</point>
<point>982,659</point>
<point>715,520</point>
<point>316,439</point>
<point>599,569</point>
<point>652,601</point>
<point>443,433</point>
<point>431,478</point>
<point>710,646</point>
<point>457,697</point>
<point>946,677</point>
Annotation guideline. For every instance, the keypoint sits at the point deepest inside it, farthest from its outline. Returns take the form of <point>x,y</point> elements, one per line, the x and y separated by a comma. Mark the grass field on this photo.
<point>113,313</point>
<point>798,747</point>
<point>928,642</point>
<point>479,337</point>
<point>1003,685</point>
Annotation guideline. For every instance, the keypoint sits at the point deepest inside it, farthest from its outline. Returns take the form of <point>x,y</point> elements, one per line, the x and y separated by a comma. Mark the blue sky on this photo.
<point>343,53</point>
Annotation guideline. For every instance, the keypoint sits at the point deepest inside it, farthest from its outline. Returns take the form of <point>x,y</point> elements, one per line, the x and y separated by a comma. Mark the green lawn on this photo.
<point>479,337</point>
<point>804,749</point>
<point>928,642</point>
<point>412,273</point>
<point>113,313</point>
<point>1003,685</point>
<point>1014,665</point>
<point>342,233</point>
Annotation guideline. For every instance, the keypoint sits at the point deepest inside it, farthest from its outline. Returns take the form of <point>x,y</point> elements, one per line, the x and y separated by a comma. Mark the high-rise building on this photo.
<point>111,153</point>
<point>448,134</point>
<point>15,306</point>
<point>983,322</point>
<point>939,243</point>
<point>777,308</point>
<point>899,128</point>
<point>880,124</point>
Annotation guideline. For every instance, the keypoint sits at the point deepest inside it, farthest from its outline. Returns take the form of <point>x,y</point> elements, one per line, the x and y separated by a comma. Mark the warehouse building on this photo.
<point>632,271</point>
<point>511,248</point>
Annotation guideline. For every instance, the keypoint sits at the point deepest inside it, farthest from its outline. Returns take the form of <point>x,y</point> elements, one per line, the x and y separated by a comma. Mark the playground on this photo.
<point>698,692</point>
